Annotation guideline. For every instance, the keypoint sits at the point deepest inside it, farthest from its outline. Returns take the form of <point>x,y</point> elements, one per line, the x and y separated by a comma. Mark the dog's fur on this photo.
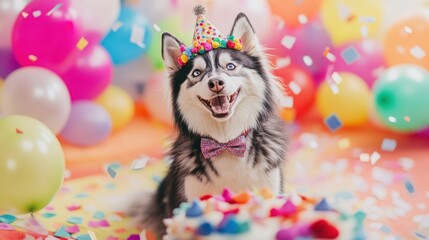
<point>255,110</point>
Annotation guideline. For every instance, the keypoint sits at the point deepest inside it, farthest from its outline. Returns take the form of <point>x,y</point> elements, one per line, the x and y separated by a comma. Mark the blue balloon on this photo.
<point>132,38</point>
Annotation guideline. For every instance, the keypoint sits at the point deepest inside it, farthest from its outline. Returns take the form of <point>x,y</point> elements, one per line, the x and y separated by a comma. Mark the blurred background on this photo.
<point>355,75</point>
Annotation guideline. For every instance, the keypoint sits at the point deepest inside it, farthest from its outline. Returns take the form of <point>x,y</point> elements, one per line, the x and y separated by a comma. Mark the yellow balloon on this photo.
<point>349,99</point>
<point>349,20</point>
<point>31,165</point>
<point>119,104</point>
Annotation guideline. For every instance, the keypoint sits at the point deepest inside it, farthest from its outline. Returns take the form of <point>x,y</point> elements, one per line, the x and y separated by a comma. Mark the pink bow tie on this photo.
<point>211,148</point>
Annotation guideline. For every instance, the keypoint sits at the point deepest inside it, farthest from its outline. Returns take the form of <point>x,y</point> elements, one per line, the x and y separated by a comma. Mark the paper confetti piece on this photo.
<point>7,218</point>
<point>82,195</point>
<point>302,18</point>
<point>24,15</point>
<point>83,237</point>
<point>417,52</point>
<point>74,220</point>
<point>157,178</point>
<point>286,102</point>
<point>327,54</point>
<point>375,156</point>
<point>55,8</point>
<point>32,58</point>
<point>344,143</point>
<point>82,43</point>
<point>111,172</point>
<point>72,229</point>
<point>407,119</point>
<point>92,235</point>
<point>336,77</point>
<point>140,163</point>
<point>73,207</point>
<point>364,157</point>
<point>62,233</point>
<point>37,13</point>
<point>18,131</point>
<point>409,186</point>
<point>388,145</point>
<point>391,119</point>
<point>406,163</point>
<point>98,215</point>
<point>114,218</point>
<point>156,27</point>
<point>420,235</point>
<point>288,41</point>
<point>350,55</point>
<point>97,224</point>
<point>307,60</point>
<point>137,36</point>
<point>364,31</point>
<point>333,123</point>
<point>283,62</point>
<point>116,26</point>
<point>334,88</point>
<point>408,30</point>
<point>6,227</point>
<point>295,88</point>
<point>49,215</point>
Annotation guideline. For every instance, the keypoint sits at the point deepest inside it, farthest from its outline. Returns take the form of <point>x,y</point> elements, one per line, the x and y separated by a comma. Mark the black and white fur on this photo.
<point>255,109</point>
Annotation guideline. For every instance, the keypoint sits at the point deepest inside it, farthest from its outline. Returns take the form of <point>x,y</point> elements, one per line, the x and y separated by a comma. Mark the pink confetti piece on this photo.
<point>49,208</point>
<point>73,229</point>
<point>73,207</point>
<point>112,238</point>
<point>97,224</point>
<point>6,227</point>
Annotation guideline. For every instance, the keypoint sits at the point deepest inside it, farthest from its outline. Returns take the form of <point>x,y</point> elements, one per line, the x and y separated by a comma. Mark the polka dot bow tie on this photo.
<point>211,148</point>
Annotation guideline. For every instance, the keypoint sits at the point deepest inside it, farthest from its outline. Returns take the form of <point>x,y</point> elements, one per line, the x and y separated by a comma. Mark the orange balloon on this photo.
<point>289,10</point>
<point>407,41</point>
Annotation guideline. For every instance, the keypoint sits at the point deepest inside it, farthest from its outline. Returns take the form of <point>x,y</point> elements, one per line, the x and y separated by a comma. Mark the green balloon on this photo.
<point>401,97</point>
<point>31,165</point>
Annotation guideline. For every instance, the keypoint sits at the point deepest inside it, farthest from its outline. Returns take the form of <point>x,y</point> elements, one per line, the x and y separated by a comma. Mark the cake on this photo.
<point>260,215</point>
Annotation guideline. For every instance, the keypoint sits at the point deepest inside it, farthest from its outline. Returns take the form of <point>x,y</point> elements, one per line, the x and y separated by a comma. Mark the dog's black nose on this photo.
<point>216,85</point>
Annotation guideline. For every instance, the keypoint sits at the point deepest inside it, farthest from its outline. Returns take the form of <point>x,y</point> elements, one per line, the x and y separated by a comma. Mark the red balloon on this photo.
<point>298,84</point>
<point>91,73</point>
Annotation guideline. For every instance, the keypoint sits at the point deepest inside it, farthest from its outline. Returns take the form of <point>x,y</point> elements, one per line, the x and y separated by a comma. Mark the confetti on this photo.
<point>97,224</point>
<point>6,227</point>
<point>32,58</point>
<point>62,233</point>
<point>37,13</point>
<point>156,27</point>
<point>55,8</point>
<point>283,62</point>
<point>111,172</point>
<point>24,14</point>
<point>420,235</point>
<point>409,186</point>
<point>7,218</point>
<point>134,237</point>
<point>302,18</point>
<point>140,163</point>
<point>18,131</point>
<point>388,145</point>
<point>364,157</point>
<point>344,143</point>
<point>286,102</point>
<point>288,41</point>
<point>327,54</point>
<point>391,119</point>
<point>336,77</point>
<point>406,163</point>
<point>49,215</point>
<point>137,36</point>
<point>82,195</point>
<point>364,31</point>
<point>307,60</point>
<point>334,88</point>
<point>74,220</point>
<point>98,215</point>
<point>375,156</point>
<point>83,237</point>
<point>350,55</point>
<point>408,30</point>
<point>73,207</point>
<point>417,52</point>
<point>92,235</point>
<point>82,43</point>
<point>407,119</point>
<point>333,122</point>
<point>72,229</point>
<point>116,26</point>
<point>295,88</point>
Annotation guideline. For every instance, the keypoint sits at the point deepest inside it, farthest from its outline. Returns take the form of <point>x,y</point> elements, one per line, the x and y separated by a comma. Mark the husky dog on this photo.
<point>224,98</point>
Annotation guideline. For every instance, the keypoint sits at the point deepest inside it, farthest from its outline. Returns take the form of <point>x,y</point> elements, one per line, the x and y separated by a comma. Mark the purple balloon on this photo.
<point>362,58</point>
<point>7,63</point>
<point>311,40</point>
<point>87,125</point>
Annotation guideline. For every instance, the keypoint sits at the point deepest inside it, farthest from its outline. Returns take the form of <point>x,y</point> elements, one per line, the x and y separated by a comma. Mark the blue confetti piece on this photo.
<point>323,205</point>
<point>194,210</point>
<point>205,229</point>
<point>110,186</point>
<point>61,232</point>
<point>83,237</point>
<point>74,220</point>
<point>230,226</point>
<point>333,123</point>
<point>420,235</point>
<point>409,186</point>
<point>111,172</point>
<point>49,215</point>
<point>7,218</point>
<point>98,215</point>
<point>157,178</point>
<point>350,55</point>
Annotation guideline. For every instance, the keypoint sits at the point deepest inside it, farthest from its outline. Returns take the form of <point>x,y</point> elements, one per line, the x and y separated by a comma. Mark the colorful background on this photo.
<point>88,77</point>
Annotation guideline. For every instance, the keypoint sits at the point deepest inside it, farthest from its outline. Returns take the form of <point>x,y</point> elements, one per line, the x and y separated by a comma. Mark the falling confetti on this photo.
<point>111,172</point>
<point>344,143</point>
<point>141,163</point>
<point>286,102</point>
<point>37,13</point>
<point>55,8</point>
<point>92,235</point>
<point>283,62</point>
<point>7,218</point>
<point>116,26</point>
<point>49,215</point>
<point>417,52</point>
<point>73,207</point>
<point>388,145</point>
<point>295,88</point>
<point>391,119</point>
<point>302,18</point>
<point>350,55</point>
<point>32,57</point>
<point>18,131</point>
<point>24,15</point>
<point>364,31</point>
<point>336,77</point>
<point>408,30</point>
<point>375,156</point>
<point>364,157</point>
<point>137,36</point>
<point>327,54</point>
<point>82,43</point>
<point>156,27</point>
<point>288,41</point>
<point>333,123</point>
<point>409,185</point>
<point>307,60</point>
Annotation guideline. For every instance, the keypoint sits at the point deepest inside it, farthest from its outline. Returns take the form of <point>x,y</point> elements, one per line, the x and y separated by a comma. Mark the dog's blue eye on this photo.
<point>230,66</point>
<point>196,73</point>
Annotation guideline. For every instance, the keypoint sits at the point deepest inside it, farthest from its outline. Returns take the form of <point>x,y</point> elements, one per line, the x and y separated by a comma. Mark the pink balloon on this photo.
<point>90,74</point>
<point>366,65</point>
<point>45,34</point>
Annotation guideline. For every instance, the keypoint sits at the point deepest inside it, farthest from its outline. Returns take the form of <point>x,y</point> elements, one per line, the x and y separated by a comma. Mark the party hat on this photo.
<point>206,38</point>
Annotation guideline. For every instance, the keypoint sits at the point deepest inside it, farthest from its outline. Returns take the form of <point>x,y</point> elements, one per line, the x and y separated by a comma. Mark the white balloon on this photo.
<point>9,9</point>
<point>97,16</point>
<point>38,93</point>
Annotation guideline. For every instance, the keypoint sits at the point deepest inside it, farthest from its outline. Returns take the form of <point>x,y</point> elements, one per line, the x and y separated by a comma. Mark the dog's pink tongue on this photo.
<point>220,104</point>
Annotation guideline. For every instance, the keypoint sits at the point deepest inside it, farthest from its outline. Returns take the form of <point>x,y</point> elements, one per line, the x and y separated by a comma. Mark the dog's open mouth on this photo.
<point>220,105</point>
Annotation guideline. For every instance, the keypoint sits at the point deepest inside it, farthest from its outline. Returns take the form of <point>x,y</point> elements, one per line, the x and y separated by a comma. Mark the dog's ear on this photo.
<point>243,29</point>
<point>171,51</point>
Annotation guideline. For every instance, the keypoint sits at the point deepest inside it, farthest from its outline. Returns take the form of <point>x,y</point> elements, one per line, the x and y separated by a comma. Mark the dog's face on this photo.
<point>222,90</point>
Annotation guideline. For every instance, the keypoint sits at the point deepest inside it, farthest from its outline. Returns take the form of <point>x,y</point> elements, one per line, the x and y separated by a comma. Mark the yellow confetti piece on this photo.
<point>82,43</point>
<point>32,58</point>
<point>344,143</point>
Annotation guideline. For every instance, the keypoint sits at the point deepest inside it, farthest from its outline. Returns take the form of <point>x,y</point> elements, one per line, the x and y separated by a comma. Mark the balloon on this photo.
<point>367,65</point>
<point>31,165</point>
<point>97,16</point>
<point>118,104</point>
<point>48,36</point>
<point>7,62</point>
<point>291,10</point>
<point>9,10</point>
<point>406,41</point>
<point>39,93</point>
<point>349,99</point>
<point>131,40</point>
<point>349,20</point>
<point>88,124</point>
<point>133,76</point>
<point>306,48</point>
<point>156,99</point>
<point>298,84</point>
<point>401,98</point>
<point>90,74</point>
